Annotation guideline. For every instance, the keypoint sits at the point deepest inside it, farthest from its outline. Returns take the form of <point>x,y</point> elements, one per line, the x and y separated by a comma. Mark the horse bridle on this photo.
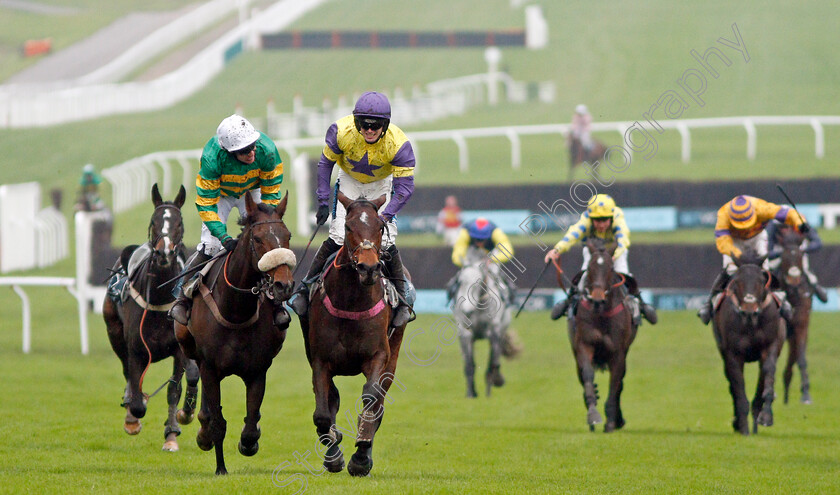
<point>176,246</point>
<point>749,298</point>
<point>265,283</point>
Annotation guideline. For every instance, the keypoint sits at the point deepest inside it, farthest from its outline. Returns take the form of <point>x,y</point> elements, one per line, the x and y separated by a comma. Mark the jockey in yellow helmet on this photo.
<point>605,220</point>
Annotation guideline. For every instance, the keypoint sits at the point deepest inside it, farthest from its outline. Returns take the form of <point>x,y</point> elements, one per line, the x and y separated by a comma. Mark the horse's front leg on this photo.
<point>787,375</point>
<point>136,404</point>
<point>173,396</point>
<point>255,392</point>
<point>467,346</point>
<point>734,370</point>
<point>213,424</point>
<point>805,382</point>
<point>586,375</point>
<point>326,406</point>
<point>612,407</point>
<point>187,413</point>
<point>493,377</point>
<point>373,400</point>
<point>762,405</point>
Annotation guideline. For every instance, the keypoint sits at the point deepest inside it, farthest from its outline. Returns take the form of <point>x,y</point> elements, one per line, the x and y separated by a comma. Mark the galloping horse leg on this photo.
<point>187,413</point>
<point>612,407</point>
<point>373,398</point>
<point>734,370</point>
<point>326,406</point>
<point>213,424</point>
<point>586,375</point>
<point>255,392</point>
<point>805,386</point>
<point>131,424</point>
<point>467,347</point>
<point>173,396</point>
<point>764,395</point>
<point>493,377</point>
<point>787,375</point>
<point>136,401</point>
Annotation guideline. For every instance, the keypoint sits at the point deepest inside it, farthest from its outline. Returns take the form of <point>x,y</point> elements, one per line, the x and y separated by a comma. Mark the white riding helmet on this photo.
<point>581,109</point>
<point>235,133</point>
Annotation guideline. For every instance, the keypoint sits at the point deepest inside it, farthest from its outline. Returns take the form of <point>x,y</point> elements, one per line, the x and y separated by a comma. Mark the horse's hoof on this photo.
<point>170,446</point>
<point>609,427</point>
<point>498,380</point>
<point>249,451</point>
<point>132,428</point>
<point>765,419</point>
<point>359,465</point>
<point>593,417</point>
<point>221,471</point>
<point>184,418</point>
<point>203,443</point>
<point>805,399</point>
<point>334,465</point>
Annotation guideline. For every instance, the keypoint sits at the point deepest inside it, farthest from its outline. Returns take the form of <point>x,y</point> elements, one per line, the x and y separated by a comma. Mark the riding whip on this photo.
<point>532,288</point>
<point>193,269</point>
<point>306,249</point>
<point>791,202</point>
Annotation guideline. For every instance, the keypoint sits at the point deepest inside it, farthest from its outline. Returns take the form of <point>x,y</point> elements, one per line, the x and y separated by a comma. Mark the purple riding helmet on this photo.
<point>372,105</point>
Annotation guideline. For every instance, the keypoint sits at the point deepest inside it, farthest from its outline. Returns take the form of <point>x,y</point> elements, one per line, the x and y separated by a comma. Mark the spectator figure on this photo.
<point>89,199</point>
<point>449,221</point>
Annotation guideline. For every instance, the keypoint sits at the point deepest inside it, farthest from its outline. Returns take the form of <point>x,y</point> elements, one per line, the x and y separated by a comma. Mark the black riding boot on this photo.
<point>560,308</point>
<point>403,314</point>
<point>180,312</point>
<point>299,302</point>
<point>648,311</point>
<point>705,312</point>
<point>819,291</point>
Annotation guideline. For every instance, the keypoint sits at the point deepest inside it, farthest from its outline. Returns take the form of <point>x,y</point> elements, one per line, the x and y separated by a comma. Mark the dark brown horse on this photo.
<point>748,328</point>
<point>793,280</point>
<point>578,154</point>
<point>231,329</point>
<point>135,317</point>
<point>601,333</point>
<point>346,333</point>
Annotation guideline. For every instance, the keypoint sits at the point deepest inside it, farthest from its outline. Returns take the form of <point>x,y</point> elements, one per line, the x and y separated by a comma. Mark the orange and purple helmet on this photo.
<point>742,212</point>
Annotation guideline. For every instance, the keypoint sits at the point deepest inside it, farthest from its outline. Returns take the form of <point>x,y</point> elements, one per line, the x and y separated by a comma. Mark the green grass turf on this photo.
<point>62,426</point>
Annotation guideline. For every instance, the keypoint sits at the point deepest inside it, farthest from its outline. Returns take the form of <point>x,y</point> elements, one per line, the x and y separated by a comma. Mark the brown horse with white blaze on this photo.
<point>346,332</point>
<point>231,329</point>
<point>601,332</point>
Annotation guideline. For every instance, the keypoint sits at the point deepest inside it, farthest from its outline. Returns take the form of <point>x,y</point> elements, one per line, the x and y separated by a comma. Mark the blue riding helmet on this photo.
<point>481,228</point>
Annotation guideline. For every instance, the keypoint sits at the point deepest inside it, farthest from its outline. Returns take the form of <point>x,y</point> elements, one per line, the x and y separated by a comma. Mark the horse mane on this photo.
<point>243,219</point>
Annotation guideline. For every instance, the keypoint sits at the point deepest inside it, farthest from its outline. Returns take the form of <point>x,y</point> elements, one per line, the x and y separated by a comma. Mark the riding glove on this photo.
<point>230,244</point>
<point>322,215</point>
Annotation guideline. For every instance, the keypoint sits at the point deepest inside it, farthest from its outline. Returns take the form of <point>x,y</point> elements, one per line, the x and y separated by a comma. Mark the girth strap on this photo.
<point>138,298</point>
<point>214,308</point>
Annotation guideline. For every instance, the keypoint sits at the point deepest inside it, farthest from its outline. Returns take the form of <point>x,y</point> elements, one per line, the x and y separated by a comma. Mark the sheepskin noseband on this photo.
<point>275,258</point>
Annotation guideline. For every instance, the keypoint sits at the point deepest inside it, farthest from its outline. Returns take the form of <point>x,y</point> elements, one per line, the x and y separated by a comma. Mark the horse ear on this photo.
<point>378,202</point>
<point>179,199</point>
<point>156,199</point>
<point>250,205</point>
<point>281,206</point>
<point>344,200</point>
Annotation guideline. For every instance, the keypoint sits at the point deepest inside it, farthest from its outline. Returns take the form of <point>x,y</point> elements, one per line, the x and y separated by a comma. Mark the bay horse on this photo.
<point>346,332</point>
<point>231,330</point>
<point>793,280</point>
<point>481,312</point>
<point>601,332</point>
<point>578,154</point>
<point>748,327</point>
<point>135,317</point>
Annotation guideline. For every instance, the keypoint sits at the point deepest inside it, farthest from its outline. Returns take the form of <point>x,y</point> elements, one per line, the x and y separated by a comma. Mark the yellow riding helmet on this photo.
<point>742,212</point>
<point>601,206</point>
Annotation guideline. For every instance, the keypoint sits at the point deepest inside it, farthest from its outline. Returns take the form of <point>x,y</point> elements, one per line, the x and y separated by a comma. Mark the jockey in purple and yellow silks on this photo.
<point>238,160</point>
<point>740,226</point>
<point>605,220</point>
<point>374,157</point>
